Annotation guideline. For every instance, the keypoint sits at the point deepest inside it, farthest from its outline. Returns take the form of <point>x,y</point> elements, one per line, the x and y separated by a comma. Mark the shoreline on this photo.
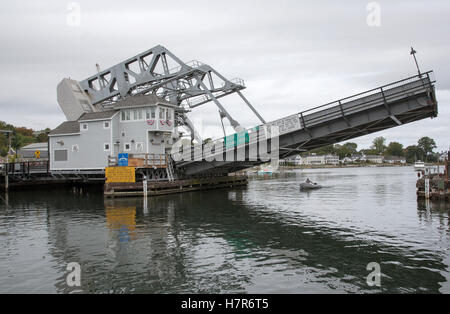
<point>365,165</point>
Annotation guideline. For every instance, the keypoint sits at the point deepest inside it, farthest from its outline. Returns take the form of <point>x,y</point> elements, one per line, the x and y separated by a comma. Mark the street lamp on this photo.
<point>413,53</point>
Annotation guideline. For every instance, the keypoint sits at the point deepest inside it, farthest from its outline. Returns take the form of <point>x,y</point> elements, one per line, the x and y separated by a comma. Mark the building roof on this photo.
<point>102,115</point>
<point>34,146</point>
<point>68,127</point>
<point>141,100</point>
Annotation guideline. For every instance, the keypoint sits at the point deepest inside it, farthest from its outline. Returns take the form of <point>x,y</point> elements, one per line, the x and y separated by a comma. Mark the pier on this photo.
<point>36,175</point>
<point>171,187</point>
<point>434,186</point>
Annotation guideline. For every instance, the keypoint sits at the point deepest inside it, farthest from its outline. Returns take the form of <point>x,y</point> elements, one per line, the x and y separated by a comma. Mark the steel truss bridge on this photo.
<point>190,85</point>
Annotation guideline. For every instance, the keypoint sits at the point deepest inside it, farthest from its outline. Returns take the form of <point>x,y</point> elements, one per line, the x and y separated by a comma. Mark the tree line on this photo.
<point>20,136</point>
<point>423,150</point>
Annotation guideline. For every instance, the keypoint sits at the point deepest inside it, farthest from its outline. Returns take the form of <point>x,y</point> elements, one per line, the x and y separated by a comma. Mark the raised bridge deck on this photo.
<point>388,106</point>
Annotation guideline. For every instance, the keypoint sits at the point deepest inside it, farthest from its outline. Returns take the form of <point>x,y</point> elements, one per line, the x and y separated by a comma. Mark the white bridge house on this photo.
<point>142,126</point>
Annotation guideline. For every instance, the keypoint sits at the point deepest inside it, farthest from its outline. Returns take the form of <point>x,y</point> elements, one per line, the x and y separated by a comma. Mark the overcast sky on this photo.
<point>293,55</point>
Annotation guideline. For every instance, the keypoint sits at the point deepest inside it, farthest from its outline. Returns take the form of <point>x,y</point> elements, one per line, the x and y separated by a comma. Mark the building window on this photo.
<point>150,113</point>
<point>75,148</point>
<point>106,147</point>
<point>140,114</point>
<point>85,127</point>
<point>106,125</point>
<point>123,134</point>
<point>60,155</point>
<point>139,146</point>
<point>127,147</point>
<point>168,114</point>
<point>161,113</point>
<point>125,115</point>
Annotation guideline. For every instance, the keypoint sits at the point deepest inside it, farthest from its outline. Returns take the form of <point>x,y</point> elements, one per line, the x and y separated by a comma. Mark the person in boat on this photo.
<point>308,181</point>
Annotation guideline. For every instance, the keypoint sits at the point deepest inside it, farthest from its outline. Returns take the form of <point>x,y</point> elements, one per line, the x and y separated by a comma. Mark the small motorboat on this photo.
<point>419,165</point>
<point>309,186</point>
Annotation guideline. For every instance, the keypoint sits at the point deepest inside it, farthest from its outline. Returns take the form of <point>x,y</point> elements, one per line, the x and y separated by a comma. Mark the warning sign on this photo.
<point>37,154</point>
<point>120,174</point>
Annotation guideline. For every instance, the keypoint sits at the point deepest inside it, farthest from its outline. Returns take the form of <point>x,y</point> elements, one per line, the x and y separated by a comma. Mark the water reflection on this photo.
<point>269,237</point>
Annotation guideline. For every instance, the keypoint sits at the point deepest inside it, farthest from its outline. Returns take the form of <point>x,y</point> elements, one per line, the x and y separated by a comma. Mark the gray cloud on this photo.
<point>292,54</point>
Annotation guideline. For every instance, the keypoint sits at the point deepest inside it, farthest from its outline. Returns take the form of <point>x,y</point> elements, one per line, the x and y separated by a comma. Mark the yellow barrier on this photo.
<point>120,175</point>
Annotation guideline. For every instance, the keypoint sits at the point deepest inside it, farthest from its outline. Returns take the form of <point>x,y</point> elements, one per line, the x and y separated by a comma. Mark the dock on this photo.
<point>434,186</point>
<point>36,175</point>
<point>171,187</point>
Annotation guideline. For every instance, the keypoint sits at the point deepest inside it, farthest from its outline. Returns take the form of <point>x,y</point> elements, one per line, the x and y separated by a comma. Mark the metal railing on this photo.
<point>379,94</point>
<point>143,160</point>
<point>193,64</point>
<point>26,167</point>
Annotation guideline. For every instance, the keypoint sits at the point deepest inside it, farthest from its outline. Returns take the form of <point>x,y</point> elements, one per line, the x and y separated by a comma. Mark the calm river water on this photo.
<point>266,238</point>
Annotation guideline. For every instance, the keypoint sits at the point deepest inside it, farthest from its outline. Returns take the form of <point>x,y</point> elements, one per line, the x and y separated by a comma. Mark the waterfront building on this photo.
<point>322,160</point>
<point>377,159</point>
<point>292,160</point>
<point>315,160</point>
<point>394,160</point>
<point>142,127</point>
<point>34,151</point>
<point>331,159</point>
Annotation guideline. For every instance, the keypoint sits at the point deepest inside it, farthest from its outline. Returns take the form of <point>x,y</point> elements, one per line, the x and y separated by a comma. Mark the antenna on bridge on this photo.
<point>413,53</point>
<point>98,67</point>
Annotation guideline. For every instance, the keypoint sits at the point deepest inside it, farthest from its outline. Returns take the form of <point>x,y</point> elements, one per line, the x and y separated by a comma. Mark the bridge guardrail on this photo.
<point>379,94</point>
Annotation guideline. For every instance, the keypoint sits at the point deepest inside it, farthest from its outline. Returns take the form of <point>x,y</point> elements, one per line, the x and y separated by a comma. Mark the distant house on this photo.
<point>331,159</point>
<point>322,160</point>
<point>33,150</point>
<point>443,156</point>
<point>351,159</point>
<point>394,160</point>
<point>346,160</point>
<point>376,159</point>
<point>292,160</point>
<point>315,160</point>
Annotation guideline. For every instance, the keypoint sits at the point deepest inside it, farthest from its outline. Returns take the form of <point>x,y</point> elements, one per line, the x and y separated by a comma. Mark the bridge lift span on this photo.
<point>388,106</point>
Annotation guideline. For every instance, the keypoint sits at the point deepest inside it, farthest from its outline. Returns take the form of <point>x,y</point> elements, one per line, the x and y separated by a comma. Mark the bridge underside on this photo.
<point>389,108</point>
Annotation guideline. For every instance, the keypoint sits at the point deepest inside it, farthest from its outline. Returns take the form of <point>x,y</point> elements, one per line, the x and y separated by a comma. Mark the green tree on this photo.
<point>413,153</point>
<point>345,150</point>
<point>351,146</point>
<point>394,149</point>
<point>379,144</point>
<point>20,137</point>
<point>427,145</point>
<point>369,151</point>
<point>325,150</point>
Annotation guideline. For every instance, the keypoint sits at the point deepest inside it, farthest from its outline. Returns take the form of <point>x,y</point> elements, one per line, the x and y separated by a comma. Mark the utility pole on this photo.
<point>8,135</point>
